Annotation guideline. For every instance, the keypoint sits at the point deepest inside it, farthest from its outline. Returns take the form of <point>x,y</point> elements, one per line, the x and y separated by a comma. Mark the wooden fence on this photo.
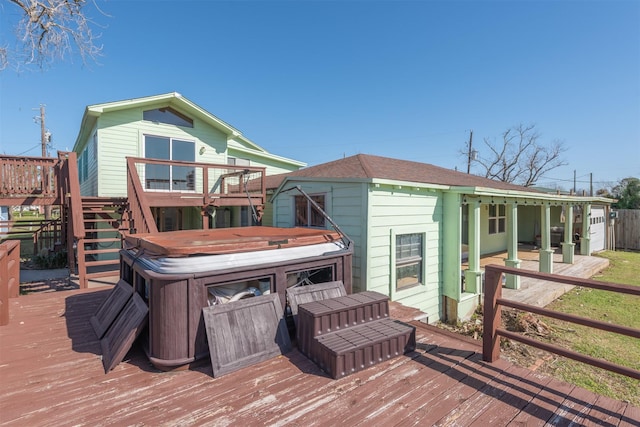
<point>627,229</point>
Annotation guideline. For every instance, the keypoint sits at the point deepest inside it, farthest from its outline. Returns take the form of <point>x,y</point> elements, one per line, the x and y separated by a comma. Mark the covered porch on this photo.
<point>519,229</point>
<point>538,292</point>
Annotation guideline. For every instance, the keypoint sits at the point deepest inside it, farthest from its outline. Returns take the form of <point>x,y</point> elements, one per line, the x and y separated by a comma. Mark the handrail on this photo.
<point>140,210</point>
<point>27,176</point>
<point>73,198</point>
<point>221,188</point>
<point>9,276</point>
<point>493,303</point>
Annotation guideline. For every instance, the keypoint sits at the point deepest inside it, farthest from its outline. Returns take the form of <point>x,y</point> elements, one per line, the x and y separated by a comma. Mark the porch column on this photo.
<point>568,245</point>
<point>473,276</point>
<point>585,236</point>
<point>512,281</point>
<point>546,253</point>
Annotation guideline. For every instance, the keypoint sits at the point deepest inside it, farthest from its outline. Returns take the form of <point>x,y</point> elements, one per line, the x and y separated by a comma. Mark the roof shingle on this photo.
<point>366,166</point>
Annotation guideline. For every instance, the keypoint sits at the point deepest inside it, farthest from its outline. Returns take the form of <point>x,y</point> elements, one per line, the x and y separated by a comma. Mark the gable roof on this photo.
<point>369,167</point>
<point>172,99</point>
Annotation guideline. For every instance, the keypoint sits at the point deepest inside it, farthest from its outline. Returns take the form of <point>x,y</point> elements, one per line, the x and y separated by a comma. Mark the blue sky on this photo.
<point>319,80</point>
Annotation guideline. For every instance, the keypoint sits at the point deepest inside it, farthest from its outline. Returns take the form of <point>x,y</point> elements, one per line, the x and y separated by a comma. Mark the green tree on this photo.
<point>628,194</point>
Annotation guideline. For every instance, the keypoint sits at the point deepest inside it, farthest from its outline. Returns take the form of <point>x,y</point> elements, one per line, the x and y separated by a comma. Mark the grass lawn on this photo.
<point>606,306</point>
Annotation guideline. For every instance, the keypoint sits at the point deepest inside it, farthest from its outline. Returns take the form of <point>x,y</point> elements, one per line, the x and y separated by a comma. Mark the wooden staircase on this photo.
<point>106,220</point>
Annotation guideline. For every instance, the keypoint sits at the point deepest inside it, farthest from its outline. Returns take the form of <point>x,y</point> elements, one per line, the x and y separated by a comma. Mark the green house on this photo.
<point>168,127</point>
<point>414,225</point>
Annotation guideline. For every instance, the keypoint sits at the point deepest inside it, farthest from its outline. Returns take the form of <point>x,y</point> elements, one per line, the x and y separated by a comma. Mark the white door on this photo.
<point>597,228</point>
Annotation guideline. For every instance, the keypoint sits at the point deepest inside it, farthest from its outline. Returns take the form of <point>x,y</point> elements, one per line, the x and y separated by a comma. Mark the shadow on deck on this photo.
<point>52,375</point>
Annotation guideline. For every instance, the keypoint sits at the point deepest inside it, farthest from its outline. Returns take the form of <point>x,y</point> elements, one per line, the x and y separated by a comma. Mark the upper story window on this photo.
<point>497,219</point>
<point>168,116</point>
<point>236,161</point>
<point>306,215</point>
<point>169,177</point>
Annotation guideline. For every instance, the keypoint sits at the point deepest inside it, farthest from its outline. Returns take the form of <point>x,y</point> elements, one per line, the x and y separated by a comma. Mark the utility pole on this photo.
<point>591,184</point>
<point>574,181</point>
<point>43,132</point>
<point>469,153</point>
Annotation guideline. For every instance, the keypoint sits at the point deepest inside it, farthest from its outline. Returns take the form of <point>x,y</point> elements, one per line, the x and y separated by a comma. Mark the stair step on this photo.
<point>333,314</point>
<point>103,262</point>
<point>99,219</point>
<point>353,349</point>
<point>101,251</point>
<point>103,240</point>
<point>98,274</point>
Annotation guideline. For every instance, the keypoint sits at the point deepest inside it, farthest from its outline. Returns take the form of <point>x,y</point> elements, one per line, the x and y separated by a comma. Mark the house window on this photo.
<point>236,161</point>
<point>306,215</point>
<point>167,116</point>
<point>169,177</point>
<point>409,255</point>
<point>497,219</point>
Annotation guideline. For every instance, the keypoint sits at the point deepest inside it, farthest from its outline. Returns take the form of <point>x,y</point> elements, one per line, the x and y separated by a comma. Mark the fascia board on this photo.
<point>266,155</point>
<point>490,192</point>
<point>423,185</point>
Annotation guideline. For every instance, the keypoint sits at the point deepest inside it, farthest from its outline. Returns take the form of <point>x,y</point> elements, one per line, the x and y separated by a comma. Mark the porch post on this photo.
<point>585,236</point>
<point>546,253</point>
<point>568,245</point>
<point>473,276</point>
<point>512,281</point>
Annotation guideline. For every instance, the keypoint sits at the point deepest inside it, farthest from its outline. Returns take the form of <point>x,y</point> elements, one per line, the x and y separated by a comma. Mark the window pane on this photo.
<point>492,226</point>
<point>408,260</point>
<point>408,275</point>
<point>301,211</point>
<point>492,210</point>
<point>501,210</point>
<point>317,220</point>
<point>167,115</point>
<point>156,176</point>
<point>183,177</point>
<point>501,225</point>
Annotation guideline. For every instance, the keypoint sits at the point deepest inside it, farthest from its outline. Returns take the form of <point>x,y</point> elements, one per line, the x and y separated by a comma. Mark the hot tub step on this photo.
<point>354,349</point>
<point>335,314</point>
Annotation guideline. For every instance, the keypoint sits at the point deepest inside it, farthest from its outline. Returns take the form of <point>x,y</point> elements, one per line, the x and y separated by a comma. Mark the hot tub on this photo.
<point>179,273</point>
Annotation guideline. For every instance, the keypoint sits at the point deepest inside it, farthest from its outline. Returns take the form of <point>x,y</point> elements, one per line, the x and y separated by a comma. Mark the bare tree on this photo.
<point>520,158</point>
<point>50,30</point>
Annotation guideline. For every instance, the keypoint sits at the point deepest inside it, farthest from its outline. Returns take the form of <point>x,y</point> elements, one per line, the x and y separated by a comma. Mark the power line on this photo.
<point>32,148</point>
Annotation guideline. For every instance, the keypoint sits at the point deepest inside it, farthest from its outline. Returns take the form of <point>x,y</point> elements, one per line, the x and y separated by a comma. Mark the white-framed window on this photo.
<point>409,260</point>
<point>306,215</point>
<point>497,219</point>
<point>169,177</point>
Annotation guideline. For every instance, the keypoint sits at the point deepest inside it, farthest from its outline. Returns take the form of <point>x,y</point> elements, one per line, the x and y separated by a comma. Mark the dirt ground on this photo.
<point>515,321</point>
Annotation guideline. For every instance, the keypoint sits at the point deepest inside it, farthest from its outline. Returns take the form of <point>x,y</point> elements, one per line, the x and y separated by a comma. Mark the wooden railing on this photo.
<point>9,276</point>
<point>71,201</point>
<point>181,183</point>
<point>45,233</point>
<point>27,180</point>
<point>141,218</point>
<point>493,303</point>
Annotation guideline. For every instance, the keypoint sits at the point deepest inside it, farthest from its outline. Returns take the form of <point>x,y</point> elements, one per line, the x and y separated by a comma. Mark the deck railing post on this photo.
<point>492,314</point>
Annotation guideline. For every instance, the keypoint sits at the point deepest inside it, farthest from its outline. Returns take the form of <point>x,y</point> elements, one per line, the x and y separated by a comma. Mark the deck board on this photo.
<point>51,374</point>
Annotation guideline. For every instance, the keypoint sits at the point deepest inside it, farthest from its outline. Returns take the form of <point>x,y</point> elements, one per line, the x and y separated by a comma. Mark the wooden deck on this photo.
<point>51,374</point>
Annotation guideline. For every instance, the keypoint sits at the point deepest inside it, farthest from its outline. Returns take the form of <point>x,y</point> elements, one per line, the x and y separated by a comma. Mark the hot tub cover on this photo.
<point>206,263</point>
<point>228,240</point>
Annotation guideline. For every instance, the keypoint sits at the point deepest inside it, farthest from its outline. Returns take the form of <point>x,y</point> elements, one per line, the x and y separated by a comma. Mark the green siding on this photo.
<point>399,211</point>
<point>121,134</point>
<point>344,204</point>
